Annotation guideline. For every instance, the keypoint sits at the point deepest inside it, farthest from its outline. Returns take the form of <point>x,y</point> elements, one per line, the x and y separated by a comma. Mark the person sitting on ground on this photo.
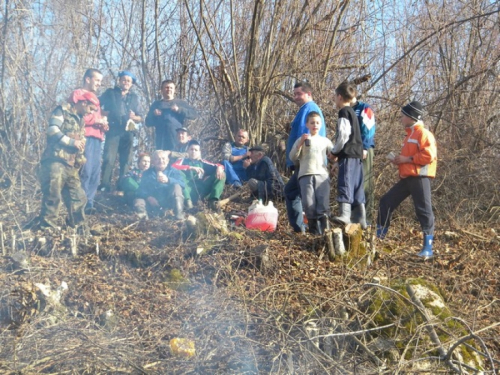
<point>62,159</point>
<point>180,149</point>
<point>264,181</point>
<point>130,182</point>
<point>311,151</point>
<point>159,184</point>
<point>234,154</point>
<point>203,178</point>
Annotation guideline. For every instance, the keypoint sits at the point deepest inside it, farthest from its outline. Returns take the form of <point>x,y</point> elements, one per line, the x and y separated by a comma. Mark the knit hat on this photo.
<point>127,73</point>
<point>413,110</point>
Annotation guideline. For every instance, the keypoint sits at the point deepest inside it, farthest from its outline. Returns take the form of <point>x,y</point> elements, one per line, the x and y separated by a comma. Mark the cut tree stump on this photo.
<point>206,224</point>
<point>352,236</point>
<point>338,242</point>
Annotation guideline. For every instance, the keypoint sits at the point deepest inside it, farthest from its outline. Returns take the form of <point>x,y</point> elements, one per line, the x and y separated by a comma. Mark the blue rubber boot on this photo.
<point>381,232</point>
<point>427,249</point>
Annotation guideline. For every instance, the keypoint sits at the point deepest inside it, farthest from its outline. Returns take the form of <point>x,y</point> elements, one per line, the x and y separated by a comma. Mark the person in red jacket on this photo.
<point>96,126</point>
<point>417,167</point>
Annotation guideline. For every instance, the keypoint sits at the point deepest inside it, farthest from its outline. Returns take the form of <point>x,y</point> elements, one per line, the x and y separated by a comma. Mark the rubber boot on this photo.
<point>313,226</point>
<point>381,232</point>
<point>358,215</point>
<point>427,249</point>
<point>345,214</point>
<point>323,224</point>
<point>179,208</point>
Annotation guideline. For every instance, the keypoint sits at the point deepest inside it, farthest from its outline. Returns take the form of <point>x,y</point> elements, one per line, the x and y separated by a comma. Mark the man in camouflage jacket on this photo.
<point>63,158</point>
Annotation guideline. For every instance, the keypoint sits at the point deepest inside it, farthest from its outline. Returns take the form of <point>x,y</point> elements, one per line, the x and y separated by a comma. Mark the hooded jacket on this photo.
<point>421,145</point>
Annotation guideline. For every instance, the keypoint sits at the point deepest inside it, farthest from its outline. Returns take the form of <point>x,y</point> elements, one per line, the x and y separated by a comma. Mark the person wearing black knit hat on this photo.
<point>417,167</point>
<point>413,110</point>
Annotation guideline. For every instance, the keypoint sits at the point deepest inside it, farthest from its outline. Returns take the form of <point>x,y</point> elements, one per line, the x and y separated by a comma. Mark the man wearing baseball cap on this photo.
<point>417,167</point>
<point>62,159</point>
<point>264,180</point>
<point>181,147</point>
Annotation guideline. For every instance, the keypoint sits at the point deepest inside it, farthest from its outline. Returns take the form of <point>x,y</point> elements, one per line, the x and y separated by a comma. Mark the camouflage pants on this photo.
<point>61,182</point>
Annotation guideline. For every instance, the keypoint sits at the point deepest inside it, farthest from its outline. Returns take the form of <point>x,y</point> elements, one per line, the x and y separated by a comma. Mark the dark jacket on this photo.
<point>119,108</point>
<point>167,123</point>
<point>350,146</point>
<point>265,171</point>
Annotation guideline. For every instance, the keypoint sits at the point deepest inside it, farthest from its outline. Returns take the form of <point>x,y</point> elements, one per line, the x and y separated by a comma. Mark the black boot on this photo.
<point>323,224</point>
<point>213,205</point>
<point>313,226</point>
<point>179,208</point>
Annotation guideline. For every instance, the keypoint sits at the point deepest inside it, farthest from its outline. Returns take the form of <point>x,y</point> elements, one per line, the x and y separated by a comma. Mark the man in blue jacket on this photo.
<point>159,184</point>
<point>302,96</point>
<point>234,155</point>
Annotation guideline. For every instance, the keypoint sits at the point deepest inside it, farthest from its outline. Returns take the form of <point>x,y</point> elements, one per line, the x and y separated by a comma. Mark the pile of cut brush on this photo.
<point>248,302</point>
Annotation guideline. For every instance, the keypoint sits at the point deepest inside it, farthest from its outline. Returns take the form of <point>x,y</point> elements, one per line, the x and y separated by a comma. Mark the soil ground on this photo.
<point>136,285</point>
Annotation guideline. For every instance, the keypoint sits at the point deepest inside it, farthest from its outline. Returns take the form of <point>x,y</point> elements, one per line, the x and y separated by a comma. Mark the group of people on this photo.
<point>176,176</point>
<point>351,153</point>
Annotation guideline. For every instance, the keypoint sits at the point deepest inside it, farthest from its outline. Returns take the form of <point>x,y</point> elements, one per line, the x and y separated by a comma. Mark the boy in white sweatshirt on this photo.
<point>311,151</point>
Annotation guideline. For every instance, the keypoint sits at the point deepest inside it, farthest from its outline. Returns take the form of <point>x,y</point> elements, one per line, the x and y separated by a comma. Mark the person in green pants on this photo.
<point>129,183</point>
<point>204,179</point>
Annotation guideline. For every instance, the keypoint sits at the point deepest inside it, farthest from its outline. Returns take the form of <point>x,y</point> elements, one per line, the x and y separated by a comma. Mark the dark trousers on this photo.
<point>350,183</point>
<point>294,203</point>
<point>116,144</point>
<point>90,174</point>
<point>420,190</point>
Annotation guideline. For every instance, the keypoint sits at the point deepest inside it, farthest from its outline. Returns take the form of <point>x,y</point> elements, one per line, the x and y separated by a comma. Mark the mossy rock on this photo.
<point>176,281</point>
<point>408,334</point>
